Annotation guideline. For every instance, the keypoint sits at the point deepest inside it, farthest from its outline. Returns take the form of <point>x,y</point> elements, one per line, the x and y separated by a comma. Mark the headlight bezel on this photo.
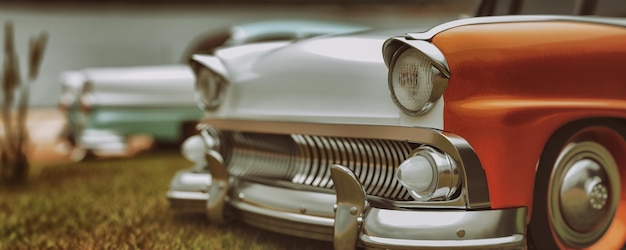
<point>210,89</point>
<point>210,74</point>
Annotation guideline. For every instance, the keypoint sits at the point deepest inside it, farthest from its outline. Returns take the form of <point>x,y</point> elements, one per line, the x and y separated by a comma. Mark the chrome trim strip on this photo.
<point>284,204</point>
<point>429,34</point>
<point>280,215</point>
<point>187,195</point>
<point>476,194</point>
<point>303,230</point>
<point>439,229</point>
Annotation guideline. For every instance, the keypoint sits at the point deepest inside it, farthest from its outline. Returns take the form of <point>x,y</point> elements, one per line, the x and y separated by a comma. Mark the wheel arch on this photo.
<point>608,131</point>
<point>562,134</point>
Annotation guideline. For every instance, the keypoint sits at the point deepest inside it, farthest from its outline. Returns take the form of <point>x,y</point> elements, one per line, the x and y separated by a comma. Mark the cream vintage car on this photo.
<point>480,133</point>
<point>104,106</point>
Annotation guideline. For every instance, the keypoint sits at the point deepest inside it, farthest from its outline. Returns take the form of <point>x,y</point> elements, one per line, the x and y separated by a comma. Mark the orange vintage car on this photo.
<point>542,102</point>
<point>500,132</point>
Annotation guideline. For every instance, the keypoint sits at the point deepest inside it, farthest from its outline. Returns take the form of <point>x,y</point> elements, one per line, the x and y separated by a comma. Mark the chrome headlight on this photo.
<point>415,82</point>
<point>211,81</point>
<point>429,174</point>
<point>210,89</point>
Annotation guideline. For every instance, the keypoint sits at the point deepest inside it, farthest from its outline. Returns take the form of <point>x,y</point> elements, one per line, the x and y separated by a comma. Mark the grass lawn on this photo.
<point>118,204</point>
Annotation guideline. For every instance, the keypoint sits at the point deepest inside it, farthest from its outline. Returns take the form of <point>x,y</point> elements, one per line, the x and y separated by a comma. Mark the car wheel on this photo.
<point>578,190</point>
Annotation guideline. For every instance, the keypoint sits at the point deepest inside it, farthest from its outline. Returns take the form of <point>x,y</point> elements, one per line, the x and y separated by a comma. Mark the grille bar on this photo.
<point>306,159</point>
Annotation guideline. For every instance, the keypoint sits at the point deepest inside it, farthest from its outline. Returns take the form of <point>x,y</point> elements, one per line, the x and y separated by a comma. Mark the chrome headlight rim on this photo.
<point>438,80</point>
<point>209,81</point>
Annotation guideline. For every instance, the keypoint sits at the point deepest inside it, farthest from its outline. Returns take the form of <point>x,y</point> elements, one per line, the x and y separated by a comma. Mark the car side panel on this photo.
<point>142,86</point>
<point>514,84</point>
<point>164,124</point>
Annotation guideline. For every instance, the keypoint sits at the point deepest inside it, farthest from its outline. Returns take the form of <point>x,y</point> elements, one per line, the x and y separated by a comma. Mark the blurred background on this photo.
<point>93,34</point>
<point>86,34</point>
<point>114,33</point>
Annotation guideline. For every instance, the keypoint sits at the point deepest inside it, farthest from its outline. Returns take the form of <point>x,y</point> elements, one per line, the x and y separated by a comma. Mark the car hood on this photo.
<point>339,79</point>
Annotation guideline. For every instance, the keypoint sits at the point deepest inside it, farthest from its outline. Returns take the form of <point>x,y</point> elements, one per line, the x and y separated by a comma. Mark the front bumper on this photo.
<point>105,141</point>
<point>311,213</point>
<point>102,141</point>
<point>188,191</point>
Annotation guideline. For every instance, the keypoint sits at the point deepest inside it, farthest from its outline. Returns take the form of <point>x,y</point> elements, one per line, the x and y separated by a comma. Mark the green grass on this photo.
<point>118,204</point>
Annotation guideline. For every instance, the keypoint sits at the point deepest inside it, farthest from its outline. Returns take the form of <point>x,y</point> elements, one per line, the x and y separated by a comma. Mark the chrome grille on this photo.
<point>306,159</point>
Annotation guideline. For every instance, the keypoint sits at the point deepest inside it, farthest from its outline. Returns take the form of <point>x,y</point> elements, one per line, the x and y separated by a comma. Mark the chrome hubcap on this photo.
<point>584,193</point>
